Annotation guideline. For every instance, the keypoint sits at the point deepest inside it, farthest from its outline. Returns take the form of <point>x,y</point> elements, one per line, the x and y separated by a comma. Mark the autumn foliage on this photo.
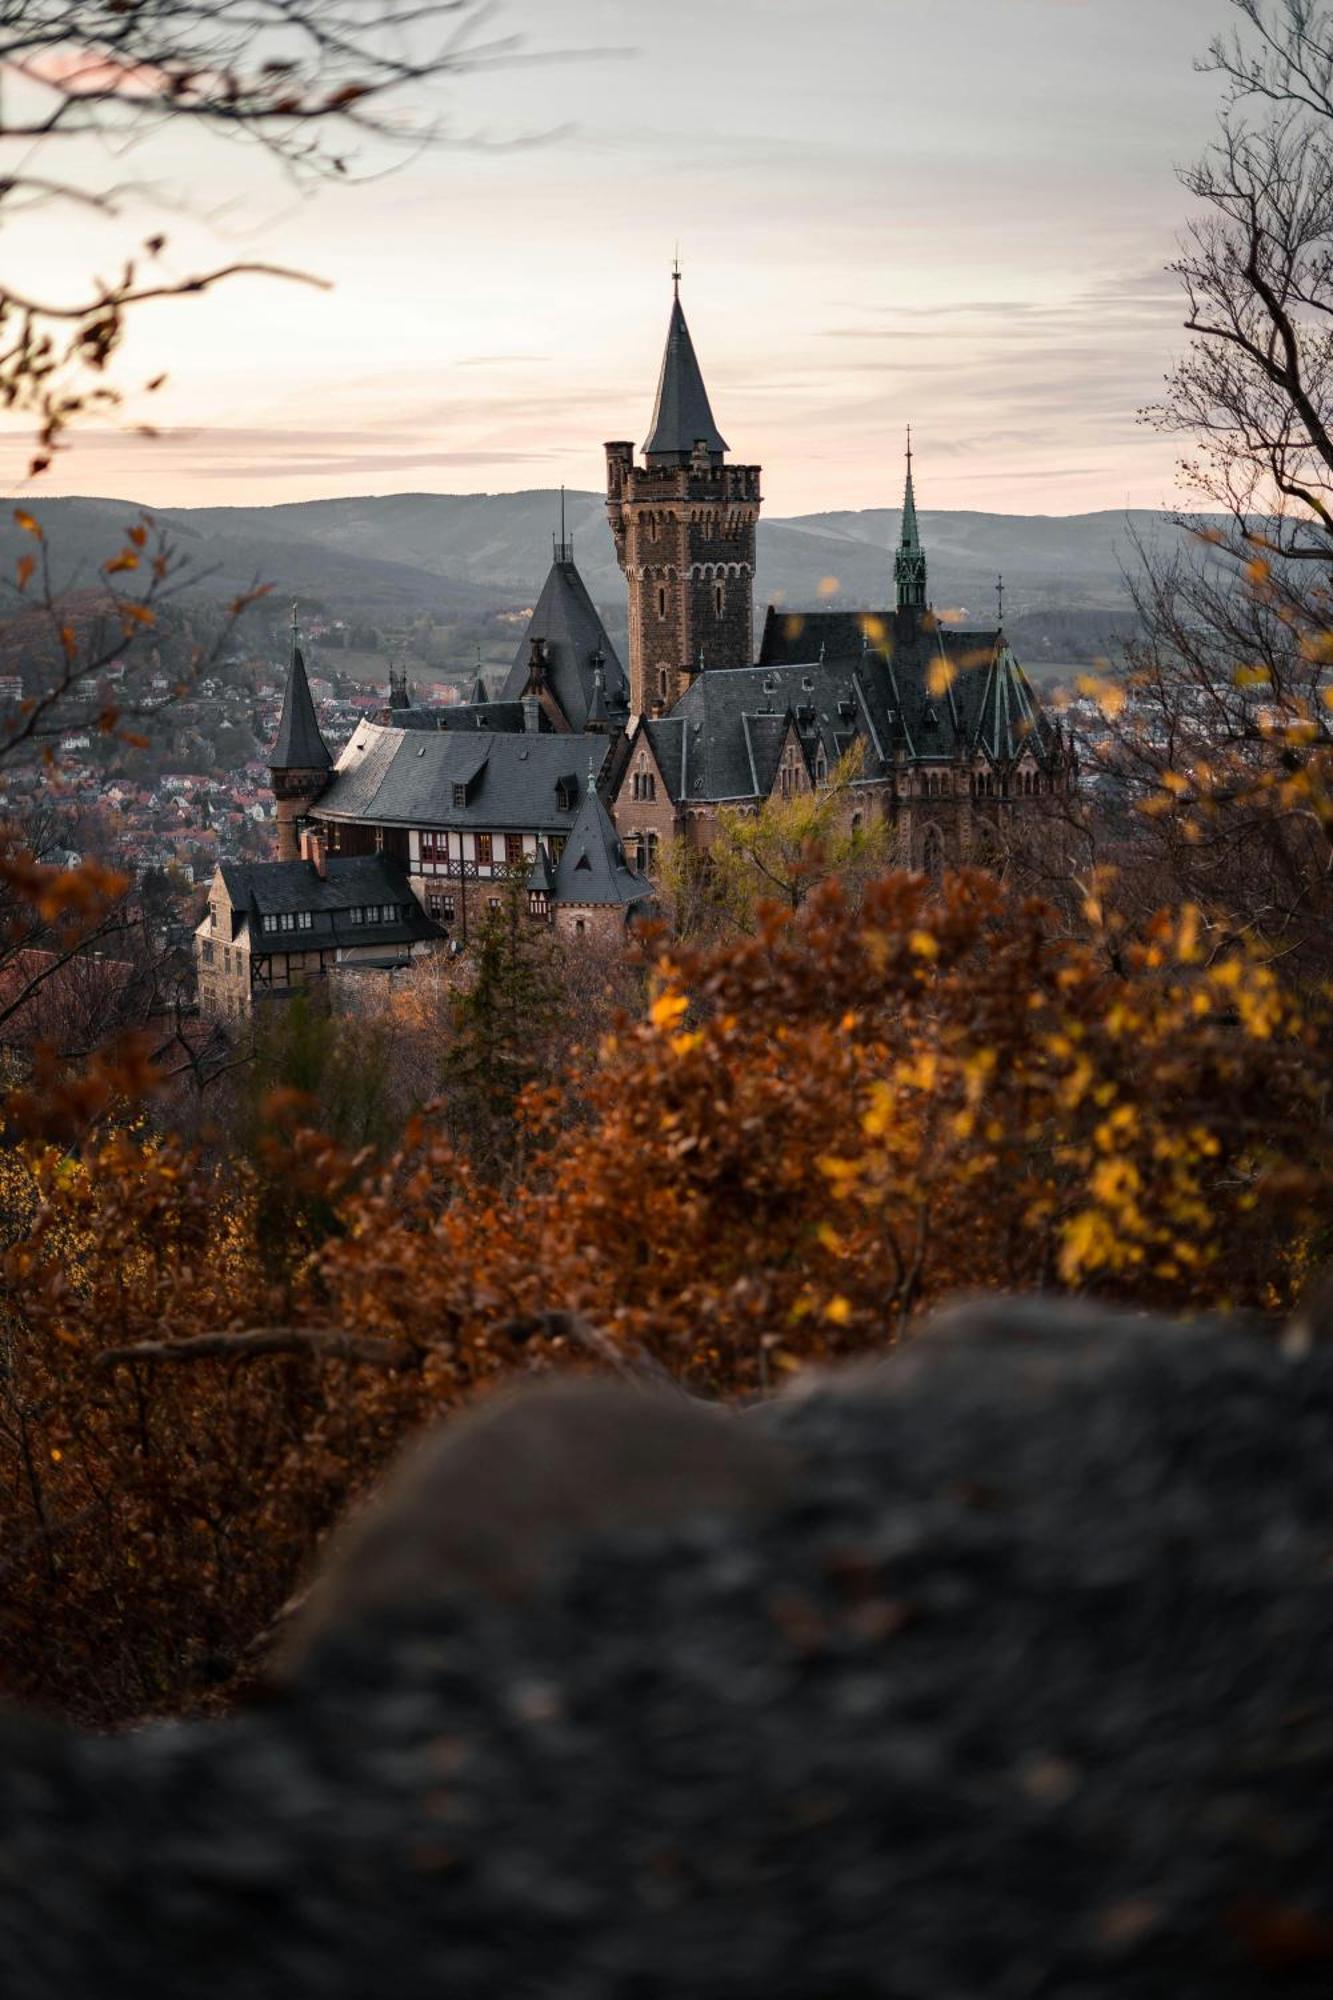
<point>802,1137</point>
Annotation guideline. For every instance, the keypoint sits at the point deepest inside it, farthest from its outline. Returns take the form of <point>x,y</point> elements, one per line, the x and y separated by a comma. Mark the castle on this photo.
<point>576,773</point>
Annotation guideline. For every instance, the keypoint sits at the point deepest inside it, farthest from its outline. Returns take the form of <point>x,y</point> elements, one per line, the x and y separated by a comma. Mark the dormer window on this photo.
<point>460,797</point>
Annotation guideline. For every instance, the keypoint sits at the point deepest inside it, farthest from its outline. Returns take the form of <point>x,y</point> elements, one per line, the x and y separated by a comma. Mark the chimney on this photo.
<point>532,714</point>
<point>315,851</point>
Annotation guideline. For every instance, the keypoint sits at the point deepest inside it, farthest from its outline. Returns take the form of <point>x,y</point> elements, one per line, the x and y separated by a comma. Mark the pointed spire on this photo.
<point>910,563</point>
<point>563,550</point>
<point>911,535</point>
<point>298,745</point>
<point>682,416</point>
<point>598,720</point>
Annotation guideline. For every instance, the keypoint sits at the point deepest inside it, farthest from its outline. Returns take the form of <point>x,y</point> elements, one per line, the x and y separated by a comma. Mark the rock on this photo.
<point>1004,1667</point>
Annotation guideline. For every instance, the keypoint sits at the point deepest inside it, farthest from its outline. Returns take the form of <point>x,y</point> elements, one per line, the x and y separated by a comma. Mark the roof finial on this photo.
<point>909,451</point>
<point>999,599</point>
<point>592,781</point>
<point>675,268</point>
<point>563,549</point>
<point>293,621</point>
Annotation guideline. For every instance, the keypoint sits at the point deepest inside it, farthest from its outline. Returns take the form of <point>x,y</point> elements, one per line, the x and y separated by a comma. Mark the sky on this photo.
<point>953,213</point>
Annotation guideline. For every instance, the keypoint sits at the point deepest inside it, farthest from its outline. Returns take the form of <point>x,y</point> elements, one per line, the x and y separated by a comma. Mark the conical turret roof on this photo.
<point>298,745</point>
<point>593,867</point>
<point>682,417</point>
<point>576,642</point>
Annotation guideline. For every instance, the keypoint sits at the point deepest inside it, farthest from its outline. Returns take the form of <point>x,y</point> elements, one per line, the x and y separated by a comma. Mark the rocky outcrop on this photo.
<point>1004,1667</point>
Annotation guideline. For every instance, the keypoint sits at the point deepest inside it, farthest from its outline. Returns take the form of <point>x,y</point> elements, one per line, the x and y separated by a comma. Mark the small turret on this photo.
<point>300,760</point>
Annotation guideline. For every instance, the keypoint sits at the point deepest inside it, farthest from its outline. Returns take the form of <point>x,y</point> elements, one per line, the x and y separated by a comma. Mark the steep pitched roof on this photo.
<point>723,740</point>
<point>1009,718</point>
<point>336,901</point>
<point>593,868</point>
<point>512,783</point>
<point>566,619</point>
<point>983,702</point>
<point>682,415</point>
<point>298,745</point>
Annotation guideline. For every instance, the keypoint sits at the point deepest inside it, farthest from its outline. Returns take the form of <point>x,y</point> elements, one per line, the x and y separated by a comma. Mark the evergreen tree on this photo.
<point>501,1022</point>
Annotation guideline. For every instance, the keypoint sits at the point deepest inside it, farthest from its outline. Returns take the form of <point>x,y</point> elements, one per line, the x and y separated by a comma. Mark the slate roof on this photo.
<point>593,868</point>
<point>406,777</point>
<point>724,737</point>
<point>506,716</point>
<point>566,618</point>
<point>298,745</point>
<point>682,414</point>
<point>351,882</point>
<point>989,707</point>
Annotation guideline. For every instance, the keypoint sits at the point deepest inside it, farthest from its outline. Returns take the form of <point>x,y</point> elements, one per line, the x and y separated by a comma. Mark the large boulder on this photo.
<point>1002,1668</point>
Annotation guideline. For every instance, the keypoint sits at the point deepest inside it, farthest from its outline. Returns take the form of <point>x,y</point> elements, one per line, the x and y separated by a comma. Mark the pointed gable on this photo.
<point>575,643</point>
<point>682,417</point>
<point>1009,720</point>
<point>298,745</point>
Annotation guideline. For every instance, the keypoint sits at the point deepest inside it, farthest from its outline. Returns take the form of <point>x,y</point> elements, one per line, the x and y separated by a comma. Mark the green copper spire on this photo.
<point>910,563</point>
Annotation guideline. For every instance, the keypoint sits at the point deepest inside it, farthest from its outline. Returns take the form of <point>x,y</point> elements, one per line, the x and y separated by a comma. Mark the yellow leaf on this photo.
<point>667,1009</point>
<point>839,1311</point>
<point>923,945</point>
<point>28,525</point>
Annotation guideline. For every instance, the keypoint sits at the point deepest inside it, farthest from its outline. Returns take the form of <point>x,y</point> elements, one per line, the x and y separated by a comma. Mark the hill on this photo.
<point>465,555</point>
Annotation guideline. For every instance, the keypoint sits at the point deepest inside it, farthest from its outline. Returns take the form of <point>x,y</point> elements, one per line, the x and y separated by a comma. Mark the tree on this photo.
<point>1220,744</point>
<point>500,1020</point>
<point>782,850</point>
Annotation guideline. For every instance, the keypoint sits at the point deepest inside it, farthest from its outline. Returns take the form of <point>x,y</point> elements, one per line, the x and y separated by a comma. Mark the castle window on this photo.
<point>460,796</point>
<point>719,598</point>
<point>661,600</point>
<point>663,684</point>
<point>513,849</point>
<point>206,953</point>
<point>483,850</point>
<point>932,853</point>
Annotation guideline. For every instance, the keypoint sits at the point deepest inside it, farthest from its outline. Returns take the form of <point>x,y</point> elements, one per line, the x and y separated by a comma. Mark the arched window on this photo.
<point>719,598</point>
<point>663,684</point>
<point>932,853</point>
<point>661,600</point>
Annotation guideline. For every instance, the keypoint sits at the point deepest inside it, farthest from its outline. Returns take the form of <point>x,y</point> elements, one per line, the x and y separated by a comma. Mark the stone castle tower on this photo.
<point>684,525</point>
<point>299,762</point>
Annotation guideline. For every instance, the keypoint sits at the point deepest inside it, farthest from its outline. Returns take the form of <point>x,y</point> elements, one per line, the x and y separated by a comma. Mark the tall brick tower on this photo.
<point>299,762</point>
<point>684,525</point>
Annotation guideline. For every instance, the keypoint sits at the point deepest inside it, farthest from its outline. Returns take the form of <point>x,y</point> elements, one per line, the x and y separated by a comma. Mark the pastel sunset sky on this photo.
<point>949,212</point>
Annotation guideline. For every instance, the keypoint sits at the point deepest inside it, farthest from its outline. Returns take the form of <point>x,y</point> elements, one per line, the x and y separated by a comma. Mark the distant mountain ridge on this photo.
<point>461,553</point>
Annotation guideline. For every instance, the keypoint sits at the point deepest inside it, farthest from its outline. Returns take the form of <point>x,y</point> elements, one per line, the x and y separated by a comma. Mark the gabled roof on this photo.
<point>514,783</point>
<point>593,868</point>
<point>355,882</point>
<point>566,619</point>
<point>982,702</point>
<point>298,745</point>
<point>682,416</point>
<point>1009,718</point>
<point>723,739</point>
